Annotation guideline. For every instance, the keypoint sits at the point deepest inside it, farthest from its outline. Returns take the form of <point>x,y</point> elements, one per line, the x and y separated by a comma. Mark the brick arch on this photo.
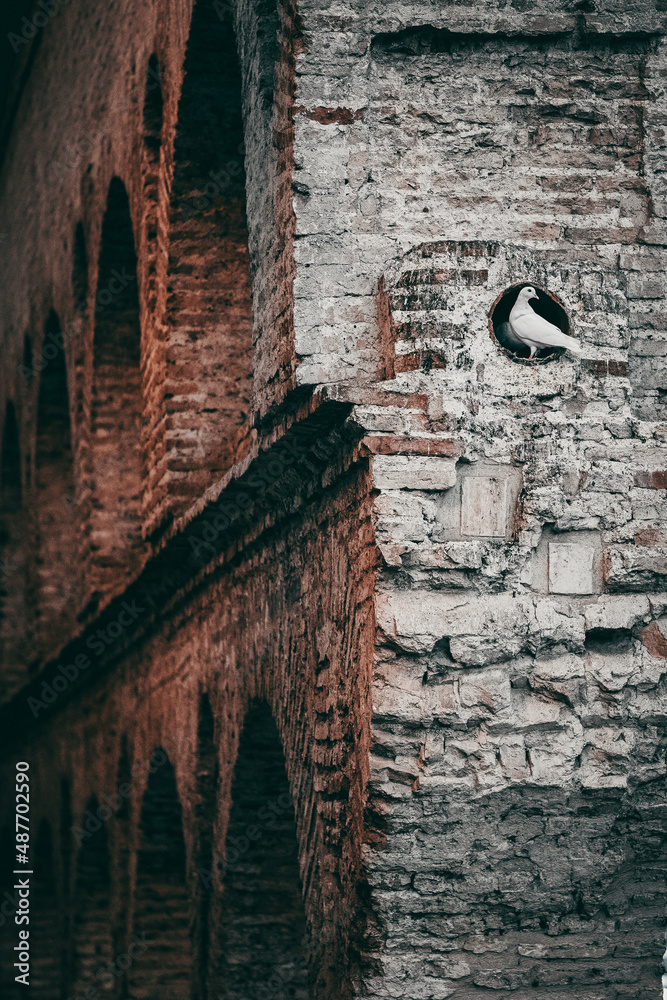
<point>28,360</point>
<point>121,852</point>
<point>77,329</point>
<point>152,122</point>
<point>12,557</point>
<point>263,920</point>
<point>53,495</point>
<point>80,271</point>
<point>206,791</point>
<point>45,923</point>
<point>67,845</point>
<point>206,396</point>
<point>116,464</point>
<point>164,967</point>
<point>91,933</point>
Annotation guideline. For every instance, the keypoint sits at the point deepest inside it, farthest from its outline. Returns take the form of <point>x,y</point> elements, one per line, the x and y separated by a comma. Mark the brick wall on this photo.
<point>321,458</point>
<point>278,626</point>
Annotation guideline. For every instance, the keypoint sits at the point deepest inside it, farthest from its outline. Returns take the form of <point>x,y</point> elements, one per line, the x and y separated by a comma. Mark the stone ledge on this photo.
<point>270,487</point>
<point>394,444</point>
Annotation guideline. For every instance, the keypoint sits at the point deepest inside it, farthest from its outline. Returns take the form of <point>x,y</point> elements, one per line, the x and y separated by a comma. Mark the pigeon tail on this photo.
<point>570,343</point>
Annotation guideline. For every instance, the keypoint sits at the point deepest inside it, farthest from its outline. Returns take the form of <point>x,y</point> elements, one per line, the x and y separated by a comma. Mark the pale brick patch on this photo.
<point>484,507</point>
<point>571,568</point>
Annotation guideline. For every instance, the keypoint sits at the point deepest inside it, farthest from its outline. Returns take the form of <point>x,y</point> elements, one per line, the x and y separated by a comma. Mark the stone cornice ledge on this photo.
<point>292,458</point>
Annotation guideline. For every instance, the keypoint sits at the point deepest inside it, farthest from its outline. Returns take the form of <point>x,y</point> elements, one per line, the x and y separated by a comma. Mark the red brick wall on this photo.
<point>290,623</point>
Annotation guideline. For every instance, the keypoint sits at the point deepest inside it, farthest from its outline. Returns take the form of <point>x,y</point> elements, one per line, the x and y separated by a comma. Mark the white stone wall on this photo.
<point>443,154</point>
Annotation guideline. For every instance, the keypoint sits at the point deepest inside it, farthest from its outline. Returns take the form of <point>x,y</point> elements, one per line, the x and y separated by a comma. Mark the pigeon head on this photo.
<point>527,293</point>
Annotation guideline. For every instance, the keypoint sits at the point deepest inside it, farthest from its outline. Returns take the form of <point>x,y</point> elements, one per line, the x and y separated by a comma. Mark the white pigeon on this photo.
<point>534,331</point>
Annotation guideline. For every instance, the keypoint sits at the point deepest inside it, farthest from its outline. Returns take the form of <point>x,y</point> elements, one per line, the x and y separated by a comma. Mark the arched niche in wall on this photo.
<point>115,424</point>
<point>206,791</point>
<point>150,165</point>
<point>208,376</point>
<point>46,941</point>
<point>67,845</point>
<point>80,271</point>
<point>13,559</point>
<point>91,930</point>
<point>263,923</point>
<point>28,371</point>
<point>164,968</point>
<point>53,499</point>
<point>80,292</point>
<point>121,874</point>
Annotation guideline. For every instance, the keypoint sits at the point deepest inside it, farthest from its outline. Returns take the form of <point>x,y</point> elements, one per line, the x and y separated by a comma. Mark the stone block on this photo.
<point>484,506</point>
<point>413,472</point>
<point>571,568</point>
<point>617,611</point>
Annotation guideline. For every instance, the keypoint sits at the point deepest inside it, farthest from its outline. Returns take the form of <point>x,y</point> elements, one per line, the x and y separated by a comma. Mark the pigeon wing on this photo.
<point>534,329</point>
<point>507,337</point>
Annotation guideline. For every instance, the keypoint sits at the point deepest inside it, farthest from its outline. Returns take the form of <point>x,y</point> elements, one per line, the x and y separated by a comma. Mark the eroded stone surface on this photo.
<point>479,798</point>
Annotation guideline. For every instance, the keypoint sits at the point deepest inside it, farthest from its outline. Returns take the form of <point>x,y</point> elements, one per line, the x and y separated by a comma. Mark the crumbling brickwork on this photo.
<point>359,688</point>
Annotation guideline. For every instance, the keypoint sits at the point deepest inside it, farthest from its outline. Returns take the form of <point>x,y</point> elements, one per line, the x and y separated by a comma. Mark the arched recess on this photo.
<point>80,292</point>
<point>121,874</point>
<point>208,376</point>
<point>116,406</point>
<point>46,941</point>
<point>150,167</point>
<point>66,855</point>
<point>163,965</point>
<point>91,930</point>
<point>28,371</point>
<point>205,807</point>
<point>13,559</point>
<point>263,923</point>
<point>80,271</point>
<point>53,500</point>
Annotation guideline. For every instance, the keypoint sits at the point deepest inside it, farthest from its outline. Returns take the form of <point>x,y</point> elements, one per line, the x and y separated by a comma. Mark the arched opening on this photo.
<point>91,931</point>
<point>162,965</point>
<point>208,378</point>
<point>80,292</point>
<point>263,923</point>
<point>28,371</point>
<point>13,559</point>
<point>80,271</point>
<point>115,439</point>
<point>207,788</point>
<point>121,873</point>
<point>546,305</point>
<point>152,136</point>
<point>66,854</point>
<point>54,494</point>
<point>45,921</point>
